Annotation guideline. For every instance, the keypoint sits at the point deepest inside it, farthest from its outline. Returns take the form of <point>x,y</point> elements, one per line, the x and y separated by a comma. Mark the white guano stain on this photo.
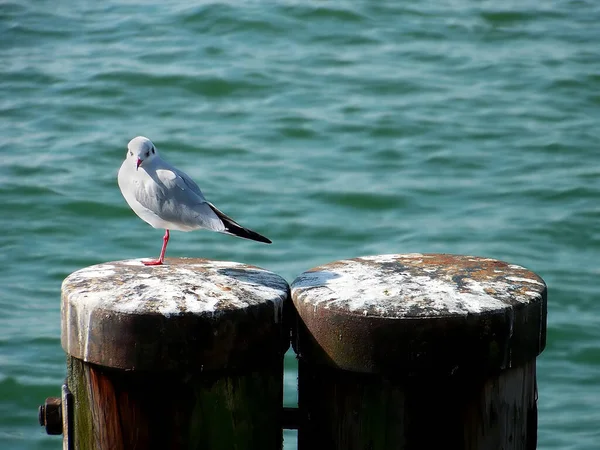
<point>525,280</point>
<point>191,288</point>
<point>369,286</point>
<point>176,289</point>
<point>105,270</point>
<point>84,335</point>
<point>390,257</point>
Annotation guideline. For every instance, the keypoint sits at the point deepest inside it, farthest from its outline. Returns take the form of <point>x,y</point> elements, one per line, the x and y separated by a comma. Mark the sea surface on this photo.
<point>337,129</point>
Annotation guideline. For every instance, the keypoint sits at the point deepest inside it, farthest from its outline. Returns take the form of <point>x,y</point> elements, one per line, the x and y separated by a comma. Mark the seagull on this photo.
<point>165,197</point>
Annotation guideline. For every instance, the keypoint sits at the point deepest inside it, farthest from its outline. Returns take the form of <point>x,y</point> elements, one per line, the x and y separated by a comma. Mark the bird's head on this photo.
<point>141,150</point>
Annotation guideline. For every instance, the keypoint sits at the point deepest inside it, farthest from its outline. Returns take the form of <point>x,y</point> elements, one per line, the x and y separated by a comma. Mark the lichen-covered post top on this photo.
<point>191,313</point>
<point>420,312</point>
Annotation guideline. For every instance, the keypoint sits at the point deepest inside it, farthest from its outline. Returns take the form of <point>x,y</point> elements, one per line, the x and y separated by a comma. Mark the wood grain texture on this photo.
<point>121,410</point>
<point>342,410</point>
<point>418,351</point>
<point>188,355</point>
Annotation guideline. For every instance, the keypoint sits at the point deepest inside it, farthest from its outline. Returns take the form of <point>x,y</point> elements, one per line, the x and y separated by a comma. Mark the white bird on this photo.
<point>166,197</point>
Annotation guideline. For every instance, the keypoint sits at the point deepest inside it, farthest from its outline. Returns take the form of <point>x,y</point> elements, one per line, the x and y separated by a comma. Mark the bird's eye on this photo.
<point>147,154</point>
<point>130,153</point>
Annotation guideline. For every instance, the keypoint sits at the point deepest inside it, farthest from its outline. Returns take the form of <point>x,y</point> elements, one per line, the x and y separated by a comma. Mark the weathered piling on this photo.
<point>185,355</point>
<point>418,351</point>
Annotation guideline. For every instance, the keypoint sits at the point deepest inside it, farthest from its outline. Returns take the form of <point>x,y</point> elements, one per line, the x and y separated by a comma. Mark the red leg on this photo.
<point>161,258</point>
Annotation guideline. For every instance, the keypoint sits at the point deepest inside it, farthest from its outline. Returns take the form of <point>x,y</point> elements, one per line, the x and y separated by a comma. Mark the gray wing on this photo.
<point>185,182</point>
<point>175,198</point>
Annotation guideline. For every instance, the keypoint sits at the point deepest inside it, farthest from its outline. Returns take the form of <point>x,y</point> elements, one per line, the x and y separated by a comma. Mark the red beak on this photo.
<point>137,166</point>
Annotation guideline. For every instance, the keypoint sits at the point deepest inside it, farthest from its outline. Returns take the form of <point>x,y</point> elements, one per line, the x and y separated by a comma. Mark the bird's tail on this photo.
<point>234,228</point>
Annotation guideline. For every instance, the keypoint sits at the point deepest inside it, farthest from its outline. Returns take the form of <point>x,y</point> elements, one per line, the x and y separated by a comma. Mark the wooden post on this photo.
<point>185,355</point>
<point>418,351</point>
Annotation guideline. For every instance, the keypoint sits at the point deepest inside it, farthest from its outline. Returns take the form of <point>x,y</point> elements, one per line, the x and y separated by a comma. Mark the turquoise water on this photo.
<point>336,129</point>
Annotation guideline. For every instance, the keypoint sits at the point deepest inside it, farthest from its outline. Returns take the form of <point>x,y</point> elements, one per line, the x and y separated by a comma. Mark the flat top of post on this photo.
<point>417,285</point>
<point>191,313</point>
<point>420,313</point>
<point>182,285</point>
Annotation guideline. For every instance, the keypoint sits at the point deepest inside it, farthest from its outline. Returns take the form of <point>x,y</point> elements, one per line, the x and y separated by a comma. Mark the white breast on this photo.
<point>129,181</point>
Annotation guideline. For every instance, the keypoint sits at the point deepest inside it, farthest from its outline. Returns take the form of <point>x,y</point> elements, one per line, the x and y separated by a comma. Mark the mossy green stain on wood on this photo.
<point>117,409</point>
<point>347,411</point>
<point>82,414</point>
<point>234,410</point>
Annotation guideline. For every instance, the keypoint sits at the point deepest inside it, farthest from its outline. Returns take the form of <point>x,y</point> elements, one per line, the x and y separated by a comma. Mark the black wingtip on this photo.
<point>237,230</point>
<point>234,228</point>
<point>261,238</point>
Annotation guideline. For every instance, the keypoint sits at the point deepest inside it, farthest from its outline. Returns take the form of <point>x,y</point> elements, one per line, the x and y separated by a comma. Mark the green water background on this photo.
<point>338,129</point>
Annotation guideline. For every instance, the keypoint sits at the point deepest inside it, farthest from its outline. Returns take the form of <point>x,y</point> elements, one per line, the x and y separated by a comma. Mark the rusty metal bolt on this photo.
<point>50,415</point>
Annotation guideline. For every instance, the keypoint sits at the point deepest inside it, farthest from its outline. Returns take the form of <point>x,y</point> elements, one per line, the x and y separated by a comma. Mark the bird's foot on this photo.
<point>152,262</point>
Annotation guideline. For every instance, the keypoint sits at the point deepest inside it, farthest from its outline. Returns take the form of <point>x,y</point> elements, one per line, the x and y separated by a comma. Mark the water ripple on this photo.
<point>335,129</point>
